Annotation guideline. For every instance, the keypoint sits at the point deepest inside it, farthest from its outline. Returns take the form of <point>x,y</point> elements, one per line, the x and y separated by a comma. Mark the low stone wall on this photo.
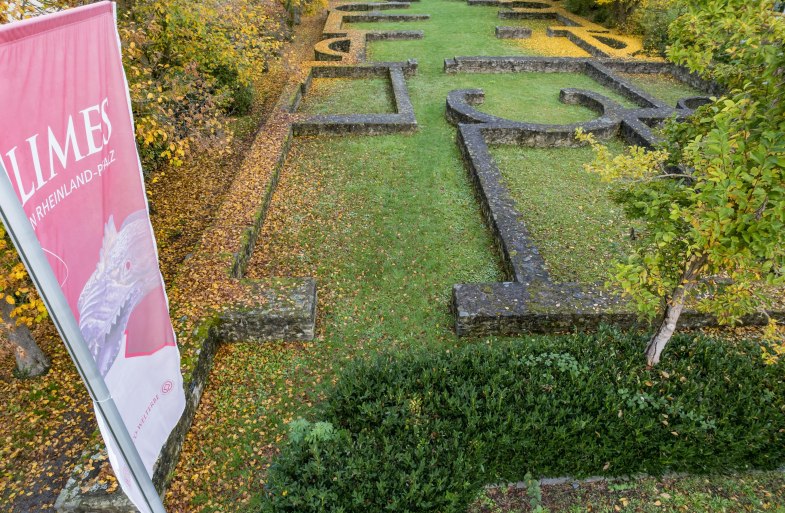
<point>372,6</point>
<point>300,91</point>
<point>514,65</point>
<point>459,107</point>
<point>559,16</point>
<point>692,102</point>
<point>599,69</point>
<point>394,35</point>
<point>364,12</point>
<point>333,25</point>
<point>354,124</point>
<point>285,309</point>
<point>402,121</point>
<point>372,70</point>
<point>338,49</point>
<point>511,308</point>
<point>510,4</point>
<point>383,17</point>
<point>501,131</point>
<point>334,49</point>
<point>680,73</point>
<point>581,32</point>
<point>580,42</point>
<point>280,309</point>
<point>340,45</point>
<point>529,301</point>
<point>535,15</point>
<point>513,32</point>
<point>520,256</point>
<point>604,76</point>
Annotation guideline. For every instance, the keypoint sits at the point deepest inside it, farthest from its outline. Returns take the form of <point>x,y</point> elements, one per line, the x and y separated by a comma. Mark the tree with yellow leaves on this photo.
<point>191,65</point>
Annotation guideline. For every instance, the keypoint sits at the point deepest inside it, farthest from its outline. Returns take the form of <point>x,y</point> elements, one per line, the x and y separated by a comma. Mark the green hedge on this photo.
<point>425,431</point>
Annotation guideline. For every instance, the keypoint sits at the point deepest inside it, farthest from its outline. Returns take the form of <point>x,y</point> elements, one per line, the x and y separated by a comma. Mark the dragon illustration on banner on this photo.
<point>126,272</point>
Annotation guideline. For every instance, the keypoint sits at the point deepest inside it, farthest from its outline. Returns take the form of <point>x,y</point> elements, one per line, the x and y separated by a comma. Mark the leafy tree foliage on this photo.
<point>621,10</point>
<point>12,10</point>
<point>653,19</point>
<point>296,8</point>
<point>191,66</point>
<point>715,233</point>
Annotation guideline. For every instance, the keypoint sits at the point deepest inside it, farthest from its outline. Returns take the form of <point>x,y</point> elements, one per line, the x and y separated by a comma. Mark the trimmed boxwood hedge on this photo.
<point>424,431</point>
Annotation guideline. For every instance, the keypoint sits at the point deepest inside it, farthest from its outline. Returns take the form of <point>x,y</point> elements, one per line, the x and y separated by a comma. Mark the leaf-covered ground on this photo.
<point>760,492</point>
<point>44,426</point>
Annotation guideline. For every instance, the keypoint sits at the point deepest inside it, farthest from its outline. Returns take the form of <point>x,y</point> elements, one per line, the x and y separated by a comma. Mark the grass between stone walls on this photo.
<point>342,96</point>
<point>663,87</point>
<point>386,225</point>
<point>455,28</point>
<point>575,225</point>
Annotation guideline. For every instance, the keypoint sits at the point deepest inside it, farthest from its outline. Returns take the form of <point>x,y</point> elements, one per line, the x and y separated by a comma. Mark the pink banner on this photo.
<point>67,145</point>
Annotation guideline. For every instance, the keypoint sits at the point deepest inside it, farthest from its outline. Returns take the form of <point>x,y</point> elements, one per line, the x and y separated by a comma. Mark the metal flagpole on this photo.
<point>23,237</point>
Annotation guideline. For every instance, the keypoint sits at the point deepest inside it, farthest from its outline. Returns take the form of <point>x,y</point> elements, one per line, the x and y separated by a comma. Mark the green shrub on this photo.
<point>240,95</point>
<point>425,431</point>
<point>654,20</point>
<point>590,10</point>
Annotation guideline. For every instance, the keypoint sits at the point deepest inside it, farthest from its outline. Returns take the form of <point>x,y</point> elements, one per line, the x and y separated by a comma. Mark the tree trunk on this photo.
<point>673,311</point>
<point>621,15</point>
<point>30,360</point>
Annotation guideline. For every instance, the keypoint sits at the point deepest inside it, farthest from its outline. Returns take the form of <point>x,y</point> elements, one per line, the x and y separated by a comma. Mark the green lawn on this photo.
<point>388,225</point>
<point>575,225</point>
<point>343,96</point>
<point>663,87</point>
<point>410,227</point>
<point>455,28</point>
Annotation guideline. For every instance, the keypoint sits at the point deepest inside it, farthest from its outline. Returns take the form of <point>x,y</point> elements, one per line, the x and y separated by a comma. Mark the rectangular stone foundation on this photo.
<point>402,121</point>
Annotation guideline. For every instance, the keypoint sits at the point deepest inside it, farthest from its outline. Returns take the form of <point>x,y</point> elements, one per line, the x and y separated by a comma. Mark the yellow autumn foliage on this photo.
<point>15,286</point>
<point>191,66</point>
